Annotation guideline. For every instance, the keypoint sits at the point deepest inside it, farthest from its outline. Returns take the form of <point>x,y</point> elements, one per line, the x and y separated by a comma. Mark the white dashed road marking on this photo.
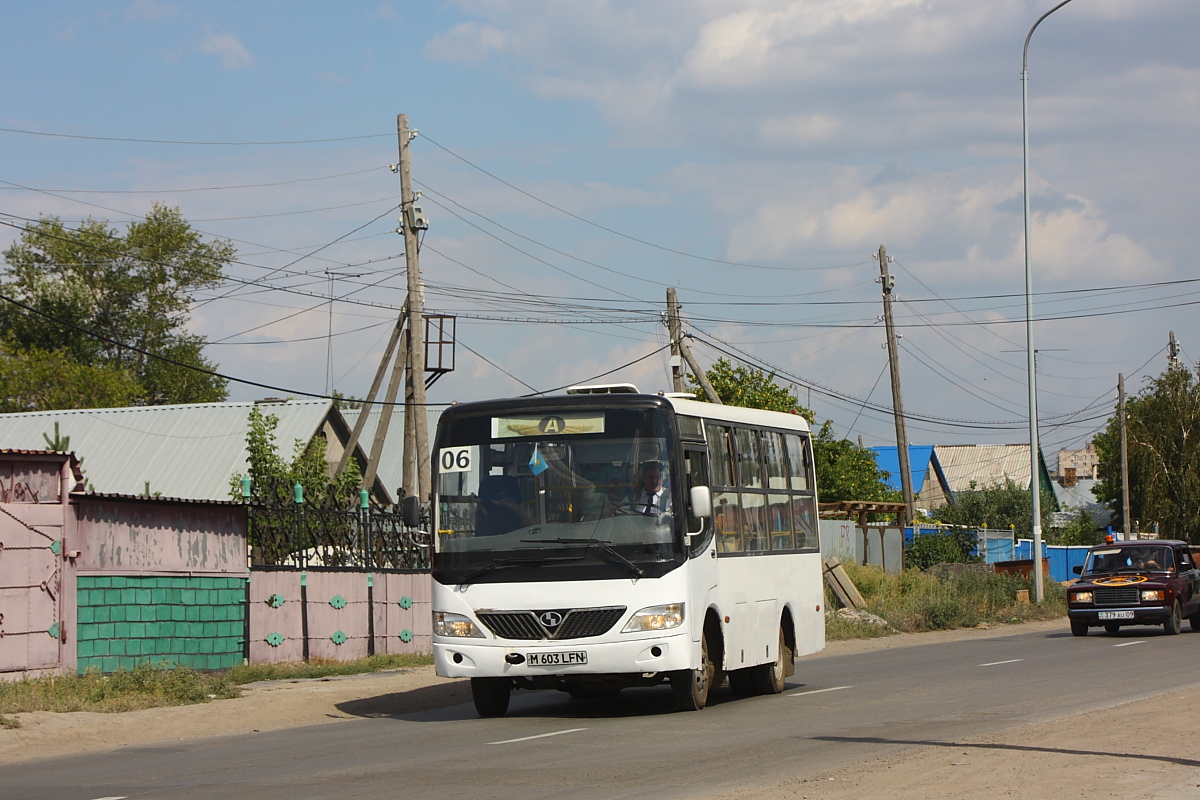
<point>819,691</point>
<point>540,736</point>
<point>1126,644</point>
<point>998,663</point>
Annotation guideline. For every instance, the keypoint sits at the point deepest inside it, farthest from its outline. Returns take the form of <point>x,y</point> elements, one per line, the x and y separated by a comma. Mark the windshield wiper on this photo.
<point>472,576</point>
<point>613,556</point>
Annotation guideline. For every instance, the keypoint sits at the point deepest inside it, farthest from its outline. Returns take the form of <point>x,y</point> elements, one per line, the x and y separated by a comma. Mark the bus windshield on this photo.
<point>586,492</point>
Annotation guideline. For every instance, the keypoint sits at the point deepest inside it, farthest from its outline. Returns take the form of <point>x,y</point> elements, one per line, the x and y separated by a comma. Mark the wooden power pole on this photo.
<point>1125,516</point>
<point>416,430</point>
<point>886,279</point>
<point>680,346</point>
<point>675,330</point>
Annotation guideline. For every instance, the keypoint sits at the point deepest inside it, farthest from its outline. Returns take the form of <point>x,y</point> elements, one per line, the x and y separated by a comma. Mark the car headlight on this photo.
<point>656,618</point>
<point>445,624</point>
<point>1151,595</point>
<point>1081,597</point>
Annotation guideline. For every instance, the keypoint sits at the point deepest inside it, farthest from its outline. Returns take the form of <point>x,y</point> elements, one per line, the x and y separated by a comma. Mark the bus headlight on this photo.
<point>454,625</point>
<point>656,618</point>
<point>1150,595</point>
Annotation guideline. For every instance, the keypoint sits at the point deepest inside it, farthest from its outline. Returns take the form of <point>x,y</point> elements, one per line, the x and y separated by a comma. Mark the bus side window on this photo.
<point>696,464</point>
<point>749,465</point>
<point>727,520</point>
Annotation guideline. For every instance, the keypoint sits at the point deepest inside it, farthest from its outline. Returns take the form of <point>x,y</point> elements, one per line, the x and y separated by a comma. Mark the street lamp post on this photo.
<point>1035,473</point>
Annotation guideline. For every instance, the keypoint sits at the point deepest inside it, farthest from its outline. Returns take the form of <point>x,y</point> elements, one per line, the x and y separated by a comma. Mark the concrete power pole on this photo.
<point>1125,516</point>
<point>1173,351</point>
<point>416,430</point>
<point>675,330</point>
<point>886,279</point>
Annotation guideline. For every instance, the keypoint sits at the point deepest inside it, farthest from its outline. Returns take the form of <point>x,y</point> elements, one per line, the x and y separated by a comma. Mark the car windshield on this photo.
<point>1137,558</point>
<point>554,490</point>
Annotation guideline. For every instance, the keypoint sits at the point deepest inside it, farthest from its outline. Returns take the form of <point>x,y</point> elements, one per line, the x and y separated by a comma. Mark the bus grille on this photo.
<point>1117,595</point>
<point>577,623</point>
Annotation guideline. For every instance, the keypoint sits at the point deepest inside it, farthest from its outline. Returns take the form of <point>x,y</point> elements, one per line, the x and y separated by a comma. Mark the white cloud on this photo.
<point>468,42</point>
<point>149,11</point>
<point>228,49</point>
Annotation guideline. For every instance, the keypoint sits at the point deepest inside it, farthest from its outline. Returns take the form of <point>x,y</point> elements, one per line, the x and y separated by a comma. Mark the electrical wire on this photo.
<point>194,142</point>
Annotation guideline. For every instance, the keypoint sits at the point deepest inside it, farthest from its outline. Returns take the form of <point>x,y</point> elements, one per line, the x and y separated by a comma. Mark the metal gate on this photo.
<point>31,632</point>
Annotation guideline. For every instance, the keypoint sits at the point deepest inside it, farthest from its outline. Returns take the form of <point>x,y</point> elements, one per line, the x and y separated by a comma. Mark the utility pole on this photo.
<point>1173,352</point>
<point>679,345</point>
<point>674,329</point>
<point>1125,521</point>
<point>886,279</point>
<point>416,431</point>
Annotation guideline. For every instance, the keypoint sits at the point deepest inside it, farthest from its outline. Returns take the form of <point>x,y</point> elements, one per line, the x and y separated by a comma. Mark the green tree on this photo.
<point>1001,506</point>
<point>849,471</point>
<point>273,478</point>
<point>845,471</point>
<point>36,380</point>
<point>749,388</point>
<point>135,288</point>
<point>1080,530</point>
<point>1163,432</point>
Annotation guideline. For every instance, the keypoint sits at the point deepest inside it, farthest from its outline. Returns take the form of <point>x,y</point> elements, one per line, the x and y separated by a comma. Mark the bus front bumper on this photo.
<point>467,658</point>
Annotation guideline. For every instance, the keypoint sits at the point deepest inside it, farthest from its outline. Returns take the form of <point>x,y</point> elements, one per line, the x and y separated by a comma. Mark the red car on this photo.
<point>1136,583</point>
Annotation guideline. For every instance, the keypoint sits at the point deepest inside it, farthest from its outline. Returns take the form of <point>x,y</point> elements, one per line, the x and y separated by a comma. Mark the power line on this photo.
<point>197,188</point>
<point>193,142</point>
<point>606,229</point>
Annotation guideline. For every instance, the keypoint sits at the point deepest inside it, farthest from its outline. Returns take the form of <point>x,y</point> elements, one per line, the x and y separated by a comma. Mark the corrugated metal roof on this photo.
<point>182,451</point>
<point>191,451</point>
<point>102,496</point>
<point>985,464</point>
<point>888,459</point>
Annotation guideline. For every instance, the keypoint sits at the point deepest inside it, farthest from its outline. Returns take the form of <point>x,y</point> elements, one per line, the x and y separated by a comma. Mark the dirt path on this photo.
<point>1147,753</point>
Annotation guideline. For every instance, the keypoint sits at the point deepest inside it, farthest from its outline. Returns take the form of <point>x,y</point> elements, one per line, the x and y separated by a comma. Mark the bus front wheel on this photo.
<point>691,686</point>
<point>491,695</point>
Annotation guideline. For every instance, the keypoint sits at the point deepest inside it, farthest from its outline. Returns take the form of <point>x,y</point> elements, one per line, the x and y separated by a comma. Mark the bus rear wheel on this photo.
<point>491,695</point>
<point>770,678</point>
<point>691,686</point>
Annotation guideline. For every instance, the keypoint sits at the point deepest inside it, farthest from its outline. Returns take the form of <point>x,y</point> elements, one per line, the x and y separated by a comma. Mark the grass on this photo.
<point>941,599</point>
<point>148,686</point>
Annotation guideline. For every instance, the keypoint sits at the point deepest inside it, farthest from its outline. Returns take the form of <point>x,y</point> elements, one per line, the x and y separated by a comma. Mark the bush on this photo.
<point>957,596</point>
<point>952,547</point>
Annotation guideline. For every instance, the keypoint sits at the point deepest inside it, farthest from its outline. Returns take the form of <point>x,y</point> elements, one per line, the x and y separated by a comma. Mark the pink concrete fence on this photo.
<point>296,615</point>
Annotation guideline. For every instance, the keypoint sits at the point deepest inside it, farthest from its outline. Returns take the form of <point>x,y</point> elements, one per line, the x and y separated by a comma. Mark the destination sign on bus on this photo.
<point>562,424</point>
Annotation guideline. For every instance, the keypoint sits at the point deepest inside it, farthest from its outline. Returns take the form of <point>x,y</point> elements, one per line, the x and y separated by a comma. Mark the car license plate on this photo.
<point>569,658</point>
<point>1115,615</point>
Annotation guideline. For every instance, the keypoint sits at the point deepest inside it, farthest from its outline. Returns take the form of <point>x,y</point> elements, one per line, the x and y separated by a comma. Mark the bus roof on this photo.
<point>681,405</point>
<point>746,416</point>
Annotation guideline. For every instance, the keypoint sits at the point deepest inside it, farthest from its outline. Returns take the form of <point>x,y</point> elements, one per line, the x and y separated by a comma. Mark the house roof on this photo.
<point>984,465</point>
<point>191,451</point>
<point>183,451</point>
<point>919,456</point>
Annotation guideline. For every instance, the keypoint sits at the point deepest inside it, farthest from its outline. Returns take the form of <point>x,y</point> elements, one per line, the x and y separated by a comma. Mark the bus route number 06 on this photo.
<point>457,459</point>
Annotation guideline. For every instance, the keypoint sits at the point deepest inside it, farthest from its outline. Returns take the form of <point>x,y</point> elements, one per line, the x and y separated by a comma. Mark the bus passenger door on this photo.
<point>702,555</point>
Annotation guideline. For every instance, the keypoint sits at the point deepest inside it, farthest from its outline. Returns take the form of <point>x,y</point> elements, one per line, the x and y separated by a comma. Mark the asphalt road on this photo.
<point>836,711</point>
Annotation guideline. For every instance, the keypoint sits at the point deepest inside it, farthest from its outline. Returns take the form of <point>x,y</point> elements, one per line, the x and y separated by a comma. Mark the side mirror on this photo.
<point>410,510</point>
<point>1078,570</point>
<point>701,497</point>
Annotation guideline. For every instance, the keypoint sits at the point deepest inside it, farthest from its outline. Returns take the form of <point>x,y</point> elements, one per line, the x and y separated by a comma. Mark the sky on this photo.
<point>576,159</point>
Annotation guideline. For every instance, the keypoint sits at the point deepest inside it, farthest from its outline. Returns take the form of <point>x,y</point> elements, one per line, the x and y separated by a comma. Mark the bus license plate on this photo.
<point>1115,615</point>
<point>557,659</point>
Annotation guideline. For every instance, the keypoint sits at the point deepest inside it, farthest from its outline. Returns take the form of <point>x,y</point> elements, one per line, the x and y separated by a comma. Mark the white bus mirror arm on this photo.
<point>701,498</point>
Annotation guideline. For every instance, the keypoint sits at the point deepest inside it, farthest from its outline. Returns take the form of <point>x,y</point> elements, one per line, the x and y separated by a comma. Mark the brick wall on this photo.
<point>193,621</point>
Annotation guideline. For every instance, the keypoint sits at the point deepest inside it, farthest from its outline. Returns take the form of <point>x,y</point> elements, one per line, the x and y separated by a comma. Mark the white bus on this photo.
<point>606,539</point>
